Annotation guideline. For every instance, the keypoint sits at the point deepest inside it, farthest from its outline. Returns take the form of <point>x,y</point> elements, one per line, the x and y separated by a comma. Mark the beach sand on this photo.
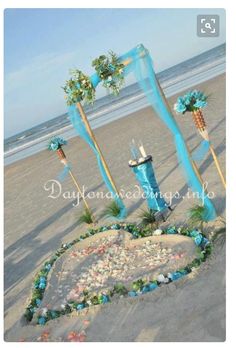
<point>35,225</point>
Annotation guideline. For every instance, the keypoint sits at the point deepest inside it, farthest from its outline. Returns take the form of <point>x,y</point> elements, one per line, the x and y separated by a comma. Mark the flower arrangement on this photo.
<point>138,287</point>
<point>78,88</point>
<point>110,70</point>
<point>56,143</point>
<point>192,101</point>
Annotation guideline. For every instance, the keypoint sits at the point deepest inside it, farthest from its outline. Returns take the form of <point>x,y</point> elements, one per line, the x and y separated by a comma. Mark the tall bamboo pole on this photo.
<point>62,157</point>
<point>79,189</point>
<point>90,132</point>
<point>189,152</point>
<point>201,126</point>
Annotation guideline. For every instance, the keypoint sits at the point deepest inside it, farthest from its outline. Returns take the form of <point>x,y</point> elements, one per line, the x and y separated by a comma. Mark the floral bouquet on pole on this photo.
<point>194,102</point>
<point>110,70</point>
<point>56,144</point>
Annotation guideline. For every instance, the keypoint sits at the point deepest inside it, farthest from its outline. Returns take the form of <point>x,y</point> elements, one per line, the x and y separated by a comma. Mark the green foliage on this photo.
<point>219,236</point>
<point>110,70</point>
<point>78,88</point>
<point>138,284</point>
<point>112,210</point>
<point>86,217</point>
<point>197,216</point>
<point>95,300</point>
<point>120,289</point>
<point>148,218</point>
<point>147,231</point>
<point>28,314</point>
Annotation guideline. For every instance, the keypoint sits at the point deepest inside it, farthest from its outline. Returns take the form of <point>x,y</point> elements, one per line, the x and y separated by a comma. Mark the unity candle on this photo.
<point>138,152</point>
<point>141,149</point>
<point>134,150</point>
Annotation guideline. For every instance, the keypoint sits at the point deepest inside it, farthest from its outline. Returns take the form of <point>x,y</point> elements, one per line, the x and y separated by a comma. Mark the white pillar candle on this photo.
<point>142,151</point>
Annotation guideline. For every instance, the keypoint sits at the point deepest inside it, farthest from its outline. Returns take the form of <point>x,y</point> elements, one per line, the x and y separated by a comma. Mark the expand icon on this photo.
<point>208,25</point>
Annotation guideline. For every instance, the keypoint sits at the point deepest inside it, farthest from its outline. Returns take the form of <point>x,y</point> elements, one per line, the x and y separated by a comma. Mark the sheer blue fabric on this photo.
<point>63,174</point>
<point>143,68</point>
<point>201,151</point>
<point>145,175</point>
<point>79,126</point>
<point>141,64</point>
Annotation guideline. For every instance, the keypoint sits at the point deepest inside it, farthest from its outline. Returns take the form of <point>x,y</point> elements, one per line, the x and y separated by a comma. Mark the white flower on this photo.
<point>161,278</point>
<point>157,232</point>
<point>44,311</point>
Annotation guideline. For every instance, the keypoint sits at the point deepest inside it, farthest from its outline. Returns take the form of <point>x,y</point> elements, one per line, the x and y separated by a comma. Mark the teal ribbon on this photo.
<point>63,174</point>
<point>201,151</point>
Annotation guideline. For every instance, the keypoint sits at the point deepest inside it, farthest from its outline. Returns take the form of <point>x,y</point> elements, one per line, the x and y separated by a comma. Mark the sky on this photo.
<point>41,45</point>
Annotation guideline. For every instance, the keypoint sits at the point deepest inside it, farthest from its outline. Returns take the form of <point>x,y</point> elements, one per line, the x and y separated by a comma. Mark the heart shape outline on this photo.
<point>199,238</point>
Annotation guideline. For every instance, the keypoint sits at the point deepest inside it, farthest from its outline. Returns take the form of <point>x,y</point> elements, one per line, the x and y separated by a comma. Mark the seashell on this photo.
<point>161,278</point>
<point>157,232</point>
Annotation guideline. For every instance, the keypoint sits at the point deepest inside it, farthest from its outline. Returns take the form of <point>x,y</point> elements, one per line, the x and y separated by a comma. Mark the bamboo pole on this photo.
<point>90,132</point>
<point>63,160</point>
<point>201,126</point>
<point>79,190</point>
<point>197,172</point>
<point>218,166</point>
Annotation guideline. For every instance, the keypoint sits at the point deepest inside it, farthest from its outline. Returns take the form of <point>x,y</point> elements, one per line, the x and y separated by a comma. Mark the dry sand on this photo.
<point>99,262</point>
<point>35,225</point>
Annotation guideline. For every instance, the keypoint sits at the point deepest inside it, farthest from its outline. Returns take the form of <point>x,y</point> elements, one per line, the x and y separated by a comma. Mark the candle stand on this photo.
<point>144,173</point>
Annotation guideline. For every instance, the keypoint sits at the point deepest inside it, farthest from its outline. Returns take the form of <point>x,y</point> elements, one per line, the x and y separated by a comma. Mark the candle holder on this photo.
<point>144,173</point>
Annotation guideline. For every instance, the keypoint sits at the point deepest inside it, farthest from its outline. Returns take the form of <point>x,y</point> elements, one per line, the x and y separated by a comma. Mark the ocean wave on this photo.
<point>132,99</point>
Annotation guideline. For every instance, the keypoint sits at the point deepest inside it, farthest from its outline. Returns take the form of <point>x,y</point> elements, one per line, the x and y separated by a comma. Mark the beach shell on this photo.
<point>110,262</point>
<point>161,278</point>
<point>157,232</point>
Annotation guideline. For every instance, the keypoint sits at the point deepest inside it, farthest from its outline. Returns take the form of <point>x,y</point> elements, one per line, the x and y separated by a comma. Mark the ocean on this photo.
<point>109,108</point>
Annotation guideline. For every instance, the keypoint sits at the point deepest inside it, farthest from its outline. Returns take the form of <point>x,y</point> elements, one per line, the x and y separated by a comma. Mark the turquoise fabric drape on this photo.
<point>141,64</point>
<point>201,151</point>
<point>79,126</point>
<point>63,174</point>
<point>143,68</point>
